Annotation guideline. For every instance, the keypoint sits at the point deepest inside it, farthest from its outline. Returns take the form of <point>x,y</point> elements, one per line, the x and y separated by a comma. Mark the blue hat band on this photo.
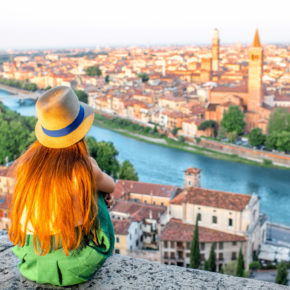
<point>68,129</point>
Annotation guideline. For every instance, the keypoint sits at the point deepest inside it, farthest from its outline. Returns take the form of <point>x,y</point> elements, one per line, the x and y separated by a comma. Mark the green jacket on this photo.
<point>58,269</point>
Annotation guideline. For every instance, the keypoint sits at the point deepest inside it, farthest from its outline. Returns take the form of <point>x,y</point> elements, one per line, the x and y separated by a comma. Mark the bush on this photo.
<point>255,265</point>
<point>267,162</point>
<point>180,139</point>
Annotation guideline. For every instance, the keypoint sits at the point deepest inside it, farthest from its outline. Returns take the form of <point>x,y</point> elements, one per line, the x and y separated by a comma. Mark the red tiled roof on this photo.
<point>176,230</point>
<point>138,211</point>
<point>121,227</point>
<point>4,171</point>
<point>5,201</point>
<point>239,89</point>
<point>212,198</point>
<point>127,186</point>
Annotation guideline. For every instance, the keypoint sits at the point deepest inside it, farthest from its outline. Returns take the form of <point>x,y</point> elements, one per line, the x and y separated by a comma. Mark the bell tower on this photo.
<point>255,73</point>
<point>215,50</point>
<point>192,177</point>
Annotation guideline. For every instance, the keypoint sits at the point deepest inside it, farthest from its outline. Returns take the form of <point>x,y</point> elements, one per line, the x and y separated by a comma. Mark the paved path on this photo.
<point>279,235</point>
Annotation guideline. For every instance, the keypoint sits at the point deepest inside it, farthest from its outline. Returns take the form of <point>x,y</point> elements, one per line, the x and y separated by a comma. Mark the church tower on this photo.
<point>215,50</point>
<point>255,73</point>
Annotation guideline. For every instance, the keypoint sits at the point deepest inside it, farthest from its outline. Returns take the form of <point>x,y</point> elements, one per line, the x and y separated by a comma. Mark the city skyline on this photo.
<point>68,24</point>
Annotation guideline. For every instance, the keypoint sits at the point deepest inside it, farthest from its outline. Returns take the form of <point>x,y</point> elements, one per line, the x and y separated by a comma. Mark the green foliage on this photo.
<point>283,141</point>
<point>212,259</point>
<point>282,273</point>
<point>20,84</point>
<point>271,140</point>
<point>267,162</point>
<point>255,265</point>
<point>174,131</point>
<point>82,96</point>
<point>230,268</point>
<point>144,77</point>
<point>194,250</point>
<point>47,88</point>
<point>240,265</point>
<point>107,79</point>
<point>93,71</point>
<point>209,124</point>
<point>256,137</point>
<point>206,266</point>
<point>181,139</point>
<point>17,133</point>
<point>279,121</point>
<point>222,133</point>
<point>232,136</point>
<point>233,120</point>
<point>106,156</point>
<point>127,171</point>
<point>197,139</point>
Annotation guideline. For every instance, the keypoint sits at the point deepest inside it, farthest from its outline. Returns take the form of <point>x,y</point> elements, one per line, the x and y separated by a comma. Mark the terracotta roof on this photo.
<point>121,227</point>
<point>4,171</point>
<point>176,230</point>
<point>128,186</point>
<point>212,198</point>
<point>192,170</point>
<point>138,211</point>
<point>5,201</point>
<point>238,89</point>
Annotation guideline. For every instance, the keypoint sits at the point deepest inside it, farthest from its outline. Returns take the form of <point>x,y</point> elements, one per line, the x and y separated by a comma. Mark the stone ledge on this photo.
<point>120,272</point>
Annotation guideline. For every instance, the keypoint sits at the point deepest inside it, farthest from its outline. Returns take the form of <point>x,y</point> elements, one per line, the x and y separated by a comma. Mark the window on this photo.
<point>230,222</point>
<point>165,255</point>
<point>130,237</point>
<point>137,243</point>
<point>165,244</point>
<point>221,245</point>
<point>172,244</point>
<point>188,245</point>
<point>117,251</point>
<point>221,256</point>
<point>162,203</point>
<point>145,201</point>
<point>172,255</point>
<point>202,257</point>
<point>5,214</point>
<point>234,243</point>
<point>214,219</point>
<point>198,216</point>
<point>117,240</point>
<point>234,256</point>
<point>202,246</point>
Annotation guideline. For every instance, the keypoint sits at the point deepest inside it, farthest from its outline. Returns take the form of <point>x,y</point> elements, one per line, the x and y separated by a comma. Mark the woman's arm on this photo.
<point>105,183</point>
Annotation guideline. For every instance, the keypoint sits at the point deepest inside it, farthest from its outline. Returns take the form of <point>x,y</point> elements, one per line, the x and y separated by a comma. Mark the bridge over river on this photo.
<point>19,94</point>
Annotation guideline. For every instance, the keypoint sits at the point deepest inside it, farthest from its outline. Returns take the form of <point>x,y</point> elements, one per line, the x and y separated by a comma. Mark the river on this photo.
<point>157,164</point>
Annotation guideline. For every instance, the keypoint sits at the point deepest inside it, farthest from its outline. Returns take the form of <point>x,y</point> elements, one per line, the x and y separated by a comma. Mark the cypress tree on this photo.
<point>206,266</point>
<point>194,251</point>
<point>212,259</point>
<point>240,265</point>
<point>282,274</point>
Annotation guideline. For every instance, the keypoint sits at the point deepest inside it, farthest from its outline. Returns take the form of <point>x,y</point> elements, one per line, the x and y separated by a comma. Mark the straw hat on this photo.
<point>62,119</point>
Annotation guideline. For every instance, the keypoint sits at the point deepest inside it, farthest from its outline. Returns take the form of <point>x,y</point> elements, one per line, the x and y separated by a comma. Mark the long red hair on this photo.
<point>57,192</point>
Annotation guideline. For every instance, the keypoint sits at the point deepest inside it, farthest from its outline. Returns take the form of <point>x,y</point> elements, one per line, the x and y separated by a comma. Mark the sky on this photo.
<point>90,23</point>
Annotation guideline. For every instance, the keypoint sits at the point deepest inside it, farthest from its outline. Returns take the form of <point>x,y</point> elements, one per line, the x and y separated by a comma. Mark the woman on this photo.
<point>59,219</point>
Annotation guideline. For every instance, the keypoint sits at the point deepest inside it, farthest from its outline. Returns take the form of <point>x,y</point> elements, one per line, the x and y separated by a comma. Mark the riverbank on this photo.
<point>170,143</point>
<point>13,90</point>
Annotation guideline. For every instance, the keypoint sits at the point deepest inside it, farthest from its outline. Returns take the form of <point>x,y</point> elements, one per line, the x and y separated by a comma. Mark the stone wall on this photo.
<point>120,272</point>
<point>256,155</point>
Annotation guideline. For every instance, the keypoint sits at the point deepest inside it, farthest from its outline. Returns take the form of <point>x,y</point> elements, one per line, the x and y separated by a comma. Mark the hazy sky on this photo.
<point>88,23</point>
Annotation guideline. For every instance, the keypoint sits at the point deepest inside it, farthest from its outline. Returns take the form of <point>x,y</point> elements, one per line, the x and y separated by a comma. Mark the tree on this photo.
<point>127,171</point>
<point>93,71</point>
<point>144,77</point>
<point>279,121</point>
<point>206,266</point>
<point>222,133</point>
<point>209,124</point>
<point>240,265</point>
<point>232,136</point>
<point>212,259</point>
<point>194,250</point>
<point>271,140</point>
<point>82,96</point>
<point>107,79</point>
<point>233,120</point>
<point>282,274</point>
<point>256,137</point>
<point>106,156</point>
<point>283,141</point>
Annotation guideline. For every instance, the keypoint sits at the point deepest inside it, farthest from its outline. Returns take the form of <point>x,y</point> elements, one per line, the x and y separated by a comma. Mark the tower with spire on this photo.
<point>215,50</point>
<point>255,91</point>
